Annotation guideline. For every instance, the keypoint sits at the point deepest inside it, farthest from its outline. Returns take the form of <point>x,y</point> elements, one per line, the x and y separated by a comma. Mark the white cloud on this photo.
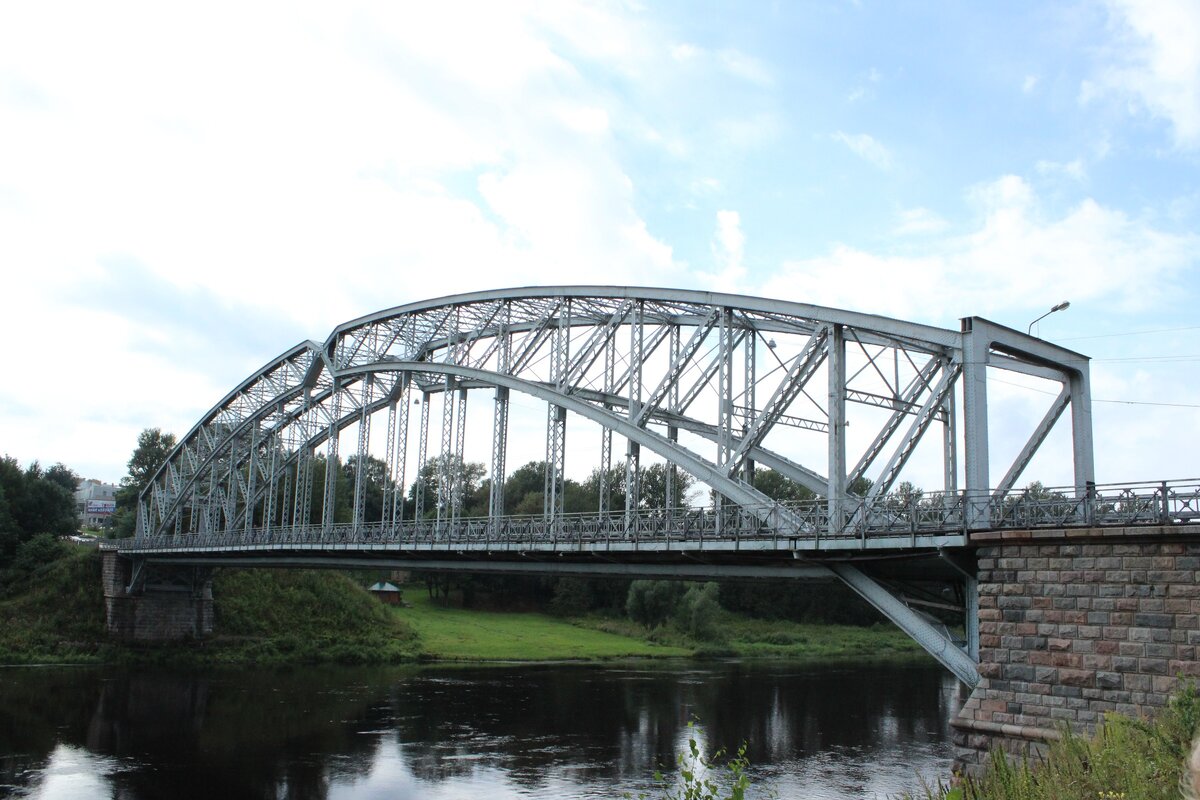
<point>1155,62</point>
<point>729,60</point>
<point>1014,260</point>
<point>919,221</point>
<point>728,249</point>
<point>340,164</point>
<point>1012,266</point>
<point>1029,84</point>
<point>1074,169</point>
<point>867,148</point>
<point>745,66</point>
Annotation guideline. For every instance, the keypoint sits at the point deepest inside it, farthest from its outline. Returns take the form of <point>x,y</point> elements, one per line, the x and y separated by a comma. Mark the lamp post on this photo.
<point>1064,304</point>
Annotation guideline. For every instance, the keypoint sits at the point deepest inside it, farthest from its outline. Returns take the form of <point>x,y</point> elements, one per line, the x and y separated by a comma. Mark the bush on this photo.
<point>38,551</point>
<point>652,602</point>
<point>696,613</point>
<point>1127,758</point>
<point>703,777</point>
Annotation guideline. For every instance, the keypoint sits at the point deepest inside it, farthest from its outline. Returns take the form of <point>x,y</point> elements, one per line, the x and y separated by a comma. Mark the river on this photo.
<point>438,732</point>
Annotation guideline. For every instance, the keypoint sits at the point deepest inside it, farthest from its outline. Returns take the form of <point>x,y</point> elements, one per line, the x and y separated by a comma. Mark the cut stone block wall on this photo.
<point>172,606</point>
<point>1072,629</point>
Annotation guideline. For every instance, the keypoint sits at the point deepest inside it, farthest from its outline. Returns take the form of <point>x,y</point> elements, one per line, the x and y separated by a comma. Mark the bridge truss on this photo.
<point>712,385</point>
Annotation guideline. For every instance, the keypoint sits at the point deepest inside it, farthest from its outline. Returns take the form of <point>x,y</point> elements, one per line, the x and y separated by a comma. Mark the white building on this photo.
<point>96,501</point>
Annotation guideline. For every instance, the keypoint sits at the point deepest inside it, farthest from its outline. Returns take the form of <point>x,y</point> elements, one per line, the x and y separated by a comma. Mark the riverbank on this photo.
<point>1128,759</point>
<point>55,612</point>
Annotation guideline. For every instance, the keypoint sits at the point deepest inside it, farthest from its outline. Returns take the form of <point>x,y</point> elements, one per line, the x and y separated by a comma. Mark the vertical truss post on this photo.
<point>836,358</point>
<point>499,455</point>
<point>949,445</point>
<point>633,456</point>
<point>672,476</point>
<point>303,455</point>
<point>556,424</point>
<point>388,518</point>
<point>975,426</point>
<point>500,424</point>
<point>458,465</point>
<point>364,449</point>
<point>285,495</point>
<point>272,486</point>
<point>329,504</point>
<point>724,405</point>
<point>749,396</point>
<point>304,488</point>
<point>209,520</point>
<point>1081,430</point>
<point>399,460</point>
<point>445,469</point>
<point>606,435</point>
<point>230,504</point>
<point>251,476</point>
<point>422,456</point>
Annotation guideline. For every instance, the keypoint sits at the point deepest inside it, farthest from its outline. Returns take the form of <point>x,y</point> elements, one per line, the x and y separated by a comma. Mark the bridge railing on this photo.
<point>887,516</point>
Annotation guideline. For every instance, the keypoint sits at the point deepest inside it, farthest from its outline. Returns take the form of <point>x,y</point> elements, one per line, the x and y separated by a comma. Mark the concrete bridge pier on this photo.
<point>154,603</point>
<point>1074,624</point>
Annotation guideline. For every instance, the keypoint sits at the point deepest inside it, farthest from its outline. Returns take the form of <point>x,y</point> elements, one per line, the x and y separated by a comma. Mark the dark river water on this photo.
<point>476,733</point>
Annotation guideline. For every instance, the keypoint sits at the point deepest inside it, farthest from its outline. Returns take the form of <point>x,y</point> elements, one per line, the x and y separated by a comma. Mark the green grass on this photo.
<point>747,637</point>
<point>1127,759</point>
<point>469,635</point>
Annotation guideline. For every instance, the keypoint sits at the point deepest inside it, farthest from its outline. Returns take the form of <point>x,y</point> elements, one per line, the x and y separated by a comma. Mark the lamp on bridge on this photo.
<point>1063,305</point>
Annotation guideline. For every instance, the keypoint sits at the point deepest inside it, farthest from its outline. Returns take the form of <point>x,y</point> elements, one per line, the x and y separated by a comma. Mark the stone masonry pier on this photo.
<point>1074,624</point>
<point>156,604</point>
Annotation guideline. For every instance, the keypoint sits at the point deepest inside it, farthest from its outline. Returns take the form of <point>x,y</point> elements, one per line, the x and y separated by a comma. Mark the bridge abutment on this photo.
<point>155,603</point>
<point>1075,624</point>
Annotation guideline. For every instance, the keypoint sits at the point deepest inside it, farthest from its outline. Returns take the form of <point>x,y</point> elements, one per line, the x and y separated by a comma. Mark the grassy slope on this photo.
<point>303,616</point>
<point>56,615</point>
<point>463,634</point>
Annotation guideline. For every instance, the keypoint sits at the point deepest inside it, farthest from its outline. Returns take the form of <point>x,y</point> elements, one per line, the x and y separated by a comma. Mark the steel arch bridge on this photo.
<point>714,385</point>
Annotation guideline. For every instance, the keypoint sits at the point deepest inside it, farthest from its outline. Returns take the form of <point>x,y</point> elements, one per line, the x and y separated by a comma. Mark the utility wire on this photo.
<point>1098,400</point>
<point>1128,333</point>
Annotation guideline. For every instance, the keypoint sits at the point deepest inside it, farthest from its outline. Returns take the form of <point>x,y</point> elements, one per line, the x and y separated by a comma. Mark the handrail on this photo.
<point>911,513</point>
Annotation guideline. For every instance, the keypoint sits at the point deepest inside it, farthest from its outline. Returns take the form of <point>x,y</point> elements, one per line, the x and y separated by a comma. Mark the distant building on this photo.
<point>96,502</point>
<point>387,593</point>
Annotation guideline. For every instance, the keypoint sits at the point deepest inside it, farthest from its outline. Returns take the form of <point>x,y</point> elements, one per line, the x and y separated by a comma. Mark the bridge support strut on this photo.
<point>935,643</point>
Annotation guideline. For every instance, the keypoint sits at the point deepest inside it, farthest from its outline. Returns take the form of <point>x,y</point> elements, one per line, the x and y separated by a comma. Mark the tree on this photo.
<point>64,476</point>
<point>32,502</point>
<point>781,488</point>
<point>652,602</point>
<point>469,473</point>
<point>153,448</point>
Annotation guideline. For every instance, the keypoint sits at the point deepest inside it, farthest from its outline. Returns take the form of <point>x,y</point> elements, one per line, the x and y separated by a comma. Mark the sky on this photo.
<point>188,190</point>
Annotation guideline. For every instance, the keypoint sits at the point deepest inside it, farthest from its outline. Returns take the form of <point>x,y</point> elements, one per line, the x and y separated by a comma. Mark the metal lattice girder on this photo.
<point>221,472</point>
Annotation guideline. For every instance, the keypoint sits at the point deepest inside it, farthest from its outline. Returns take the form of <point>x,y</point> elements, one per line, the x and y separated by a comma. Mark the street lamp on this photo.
<point>1059,307</point>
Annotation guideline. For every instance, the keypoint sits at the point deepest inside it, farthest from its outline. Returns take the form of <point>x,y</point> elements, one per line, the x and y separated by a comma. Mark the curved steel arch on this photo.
<point>560,343</point>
